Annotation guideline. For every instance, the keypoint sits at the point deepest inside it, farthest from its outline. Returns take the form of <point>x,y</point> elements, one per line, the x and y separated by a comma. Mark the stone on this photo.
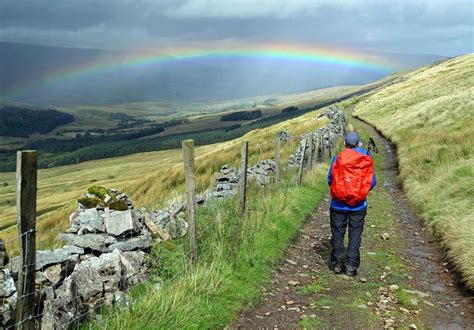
<point>150,224</point>
<point>404,310</point>
<point>413,326</point>
<point>110,240</point>
<point>415,292</point>
<point>88,221</point>
<point>291,262</point>
<point>162,217</point>
<point>50,257</point>
<point>3,254</point>
<point>176,227</point>
<point>363,280</point>
<point>95,242</point>
<point>66,310</point>
<point>7,284</point>
<point>385,236</point>
<point>393,288</point>
<point>290,302</point>
<point>362,306</point>
<point>53,273</point>
<point>293,283</point>
<point>98,275</point>
<point>119,223</point>
<point>7,310</point>
<point>135,243</point>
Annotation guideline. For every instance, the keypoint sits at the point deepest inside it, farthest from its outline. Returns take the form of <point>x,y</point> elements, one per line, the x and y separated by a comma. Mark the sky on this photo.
<point>442,27</point>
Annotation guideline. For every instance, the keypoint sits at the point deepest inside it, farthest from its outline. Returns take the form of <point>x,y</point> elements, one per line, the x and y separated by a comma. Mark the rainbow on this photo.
<point>338,58</point>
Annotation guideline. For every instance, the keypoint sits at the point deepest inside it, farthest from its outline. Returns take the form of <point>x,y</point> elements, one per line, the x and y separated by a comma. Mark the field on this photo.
<point>430,117</point>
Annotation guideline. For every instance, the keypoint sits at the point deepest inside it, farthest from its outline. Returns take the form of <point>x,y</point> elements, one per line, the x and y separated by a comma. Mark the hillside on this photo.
<point>148,178</point>
<point>429,115</point>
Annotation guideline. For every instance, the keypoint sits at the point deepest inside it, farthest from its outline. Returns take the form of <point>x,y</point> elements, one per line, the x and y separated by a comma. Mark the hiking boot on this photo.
<point>338,268</point>
<point>350,271</point>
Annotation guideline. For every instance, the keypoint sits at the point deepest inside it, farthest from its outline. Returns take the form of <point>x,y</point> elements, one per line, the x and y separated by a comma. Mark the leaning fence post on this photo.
<point>277,161</point>
<point>300,173</point>
<point>317,148</point>
<point>243,176</point>
<point>189,171</point>
<point>310,161</point>
<point>26,183</point>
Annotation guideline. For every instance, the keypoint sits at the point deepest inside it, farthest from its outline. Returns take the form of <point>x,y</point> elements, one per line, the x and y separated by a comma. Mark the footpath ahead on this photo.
<point>402,283</point>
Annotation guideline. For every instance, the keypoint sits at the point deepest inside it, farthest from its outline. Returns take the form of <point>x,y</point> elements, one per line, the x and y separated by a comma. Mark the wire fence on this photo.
<point>65,287</point>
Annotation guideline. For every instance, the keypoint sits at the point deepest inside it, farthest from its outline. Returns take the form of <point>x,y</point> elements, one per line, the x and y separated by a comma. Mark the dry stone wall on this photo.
<point>323,139</point>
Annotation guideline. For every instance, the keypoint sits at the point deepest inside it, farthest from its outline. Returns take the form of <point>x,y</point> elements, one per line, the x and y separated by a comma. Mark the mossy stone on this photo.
<point>99,191</point>
<point>118,205</point>
<point>90,202</point>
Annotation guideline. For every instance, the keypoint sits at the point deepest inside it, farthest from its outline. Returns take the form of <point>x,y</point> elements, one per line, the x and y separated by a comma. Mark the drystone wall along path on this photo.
<point>402,283</point>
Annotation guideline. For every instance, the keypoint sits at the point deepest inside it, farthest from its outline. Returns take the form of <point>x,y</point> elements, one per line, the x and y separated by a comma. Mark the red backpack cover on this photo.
<point>351,177</point>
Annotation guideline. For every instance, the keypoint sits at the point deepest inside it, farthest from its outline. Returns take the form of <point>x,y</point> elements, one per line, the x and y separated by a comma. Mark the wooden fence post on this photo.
<point>310,161</point>
<point>277,161</point>
<point>300,173</point>
<point>323,145</point>
<point>26,183</point>
<point>317,150</point>
<point>243,176</point>
<point>189,171</point>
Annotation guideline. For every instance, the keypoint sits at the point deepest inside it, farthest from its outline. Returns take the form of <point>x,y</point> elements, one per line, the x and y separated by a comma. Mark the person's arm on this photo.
<point>330,170</point>
<point>374,182</point>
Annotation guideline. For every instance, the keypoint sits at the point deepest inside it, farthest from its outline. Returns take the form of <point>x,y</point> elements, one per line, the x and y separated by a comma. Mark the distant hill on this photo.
<point>22,66</point>
<point>21,122</point>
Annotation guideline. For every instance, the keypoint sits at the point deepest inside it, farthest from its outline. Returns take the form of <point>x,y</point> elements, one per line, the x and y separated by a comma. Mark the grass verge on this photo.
<point>235,259</point>
<point>429,116</point>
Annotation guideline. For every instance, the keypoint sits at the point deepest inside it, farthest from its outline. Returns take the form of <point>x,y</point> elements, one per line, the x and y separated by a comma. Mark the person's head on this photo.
<point>352,140</point>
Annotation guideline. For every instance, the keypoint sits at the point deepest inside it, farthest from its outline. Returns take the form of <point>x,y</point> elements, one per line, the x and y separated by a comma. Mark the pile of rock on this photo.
<point>227,180</point>
<point>284,136</point>
<point>104,256</point>
<point>262,172</point>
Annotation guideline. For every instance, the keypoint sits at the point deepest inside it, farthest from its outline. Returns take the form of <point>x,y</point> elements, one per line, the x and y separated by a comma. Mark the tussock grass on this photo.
<point>235,258</point>
<point>430,117</point>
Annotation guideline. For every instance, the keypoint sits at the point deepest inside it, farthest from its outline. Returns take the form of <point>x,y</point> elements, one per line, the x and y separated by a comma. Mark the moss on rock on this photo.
<point>99,191</point>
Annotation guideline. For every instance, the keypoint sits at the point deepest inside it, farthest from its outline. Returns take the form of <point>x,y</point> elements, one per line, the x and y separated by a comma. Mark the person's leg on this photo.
<point>356,227</point>
<point>338,230</point>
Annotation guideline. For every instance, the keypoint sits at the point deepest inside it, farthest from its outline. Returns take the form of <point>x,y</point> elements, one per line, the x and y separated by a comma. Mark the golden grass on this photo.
<point>150,179</point>
<point>430,117</point>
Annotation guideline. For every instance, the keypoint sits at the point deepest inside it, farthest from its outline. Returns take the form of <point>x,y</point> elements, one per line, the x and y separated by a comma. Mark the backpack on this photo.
<point>351,177</point>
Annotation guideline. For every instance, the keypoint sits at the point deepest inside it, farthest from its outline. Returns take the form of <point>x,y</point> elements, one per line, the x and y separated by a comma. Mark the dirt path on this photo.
<point>403,281</point>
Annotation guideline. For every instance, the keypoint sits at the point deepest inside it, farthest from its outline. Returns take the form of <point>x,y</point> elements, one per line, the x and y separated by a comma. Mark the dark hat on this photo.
<point>352,139</point>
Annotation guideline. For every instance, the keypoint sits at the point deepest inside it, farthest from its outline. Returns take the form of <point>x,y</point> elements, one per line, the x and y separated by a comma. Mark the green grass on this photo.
<point>315,287</point>
<point>430,117</point>
<point>310,323</point>
<point>235,259</point>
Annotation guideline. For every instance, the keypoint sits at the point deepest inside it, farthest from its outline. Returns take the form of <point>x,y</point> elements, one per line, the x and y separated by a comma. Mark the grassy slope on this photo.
<point>209,295</point>
<point>430,117</point>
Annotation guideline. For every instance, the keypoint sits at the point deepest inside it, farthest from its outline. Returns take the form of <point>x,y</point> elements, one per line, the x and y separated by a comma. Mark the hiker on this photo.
<point>351,177</point>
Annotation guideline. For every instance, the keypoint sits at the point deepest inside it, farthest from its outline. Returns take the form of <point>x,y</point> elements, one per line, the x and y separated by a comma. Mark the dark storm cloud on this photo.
<point>444,27</point>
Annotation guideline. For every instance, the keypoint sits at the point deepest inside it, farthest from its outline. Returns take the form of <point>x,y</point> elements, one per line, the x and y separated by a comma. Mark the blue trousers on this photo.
<point>340,220</point>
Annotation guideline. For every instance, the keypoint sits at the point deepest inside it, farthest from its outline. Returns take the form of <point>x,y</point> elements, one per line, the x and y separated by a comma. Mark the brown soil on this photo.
<point>410,259</point>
